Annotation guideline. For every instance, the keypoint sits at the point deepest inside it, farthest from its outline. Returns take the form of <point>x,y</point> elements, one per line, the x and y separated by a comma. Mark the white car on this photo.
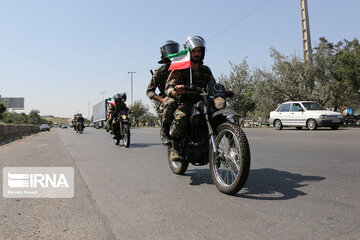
<point>301,114</point>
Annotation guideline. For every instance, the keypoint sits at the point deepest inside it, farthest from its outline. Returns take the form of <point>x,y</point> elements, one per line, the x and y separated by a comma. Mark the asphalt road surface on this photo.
<point>302,185</point>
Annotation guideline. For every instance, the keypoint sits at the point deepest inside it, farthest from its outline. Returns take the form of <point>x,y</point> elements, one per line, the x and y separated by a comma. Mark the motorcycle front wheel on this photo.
<point>126,138</point>
<point>230,165</point>
<point>176,167</point>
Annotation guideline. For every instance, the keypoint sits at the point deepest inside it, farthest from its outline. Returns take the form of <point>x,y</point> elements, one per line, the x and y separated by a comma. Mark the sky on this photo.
<point>61,54</point>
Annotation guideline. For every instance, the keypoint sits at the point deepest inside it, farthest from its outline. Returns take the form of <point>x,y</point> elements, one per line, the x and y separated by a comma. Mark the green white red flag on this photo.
<point>180,60</point>
<point>111,101</point>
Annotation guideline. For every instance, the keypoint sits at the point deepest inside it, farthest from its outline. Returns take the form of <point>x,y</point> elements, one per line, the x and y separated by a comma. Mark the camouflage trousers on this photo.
<point>180,125</point>
<point>166,110</point>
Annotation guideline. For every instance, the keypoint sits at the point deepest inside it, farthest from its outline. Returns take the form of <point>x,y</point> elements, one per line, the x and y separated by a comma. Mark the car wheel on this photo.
<point>277,124</point>
<point>311,124</point>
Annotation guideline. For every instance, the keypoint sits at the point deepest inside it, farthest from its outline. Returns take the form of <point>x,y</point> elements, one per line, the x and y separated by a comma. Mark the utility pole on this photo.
<point>132,92</point>
<point>305,31</point>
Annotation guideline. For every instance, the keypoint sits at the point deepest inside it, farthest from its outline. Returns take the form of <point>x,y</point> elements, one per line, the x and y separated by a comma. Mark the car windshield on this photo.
<point>313,106</point>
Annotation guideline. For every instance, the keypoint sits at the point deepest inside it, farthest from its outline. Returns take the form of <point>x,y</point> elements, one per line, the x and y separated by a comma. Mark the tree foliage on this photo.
<point>241,82</point>
<point>21,118</point>
<point>139,109</point>
<point>2,110</point>
<point>332,79</point>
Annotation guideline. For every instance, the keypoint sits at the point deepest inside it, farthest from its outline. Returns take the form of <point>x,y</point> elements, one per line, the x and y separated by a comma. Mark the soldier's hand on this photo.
<point>164,99</point>
<point>178,90</point>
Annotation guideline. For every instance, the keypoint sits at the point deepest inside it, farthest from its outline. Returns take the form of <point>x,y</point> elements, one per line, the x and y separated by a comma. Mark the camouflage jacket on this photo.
<point>158,80</point>
<point>200,78</point>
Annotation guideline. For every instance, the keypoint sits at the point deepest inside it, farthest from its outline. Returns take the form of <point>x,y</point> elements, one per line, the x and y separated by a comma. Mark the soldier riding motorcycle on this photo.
<point>79,123</point>
<point>216,138</point>
<point>119,120</point>
<point>203,130</point>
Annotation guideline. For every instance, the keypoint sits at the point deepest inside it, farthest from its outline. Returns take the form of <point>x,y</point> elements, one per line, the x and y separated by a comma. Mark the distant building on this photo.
<point>13,103</point>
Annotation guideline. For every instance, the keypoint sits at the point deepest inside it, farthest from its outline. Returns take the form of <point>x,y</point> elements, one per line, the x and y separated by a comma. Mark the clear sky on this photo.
<point>61,54</point>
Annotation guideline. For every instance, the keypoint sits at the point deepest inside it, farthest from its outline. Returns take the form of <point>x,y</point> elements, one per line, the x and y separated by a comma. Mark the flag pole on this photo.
<point>190,76</point>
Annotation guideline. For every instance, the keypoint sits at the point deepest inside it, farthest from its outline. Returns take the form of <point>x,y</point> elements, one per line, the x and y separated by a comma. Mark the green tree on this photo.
<point>264,96</point>
<point>34,117</point>
<point>348,70</point>
<point>337,73</point>
<point>291,78</point>
<point>241,82</point>
<point>2,110</point>
<point>139,109</point>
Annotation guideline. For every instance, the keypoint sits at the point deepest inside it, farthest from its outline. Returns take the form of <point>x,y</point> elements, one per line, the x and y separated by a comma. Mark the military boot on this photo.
<point>165,137</point>
<point>175,151</point>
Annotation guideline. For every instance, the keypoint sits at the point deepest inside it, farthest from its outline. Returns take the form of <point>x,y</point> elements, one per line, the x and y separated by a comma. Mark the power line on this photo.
<point>242,18</point>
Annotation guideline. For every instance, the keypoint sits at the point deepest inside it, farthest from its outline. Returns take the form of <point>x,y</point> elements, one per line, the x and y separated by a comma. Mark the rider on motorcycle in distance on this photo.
<point>119,104</point>
<point>201,76</point>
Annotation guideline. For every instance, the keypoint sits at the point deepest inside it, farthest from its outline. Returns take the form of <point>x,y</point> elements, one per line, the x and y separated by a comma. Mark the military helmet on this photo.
<point>123,97</point>
<point>194,42</point>
<point>117,97</point>
<point>168,47</point>
<point>120,97</point>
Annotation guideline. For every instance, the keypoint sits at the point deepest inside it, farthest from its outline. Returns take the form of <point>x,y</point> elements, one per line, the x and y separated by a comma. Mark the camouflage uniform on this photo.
<point>158,80</point>
<point>200,78</point>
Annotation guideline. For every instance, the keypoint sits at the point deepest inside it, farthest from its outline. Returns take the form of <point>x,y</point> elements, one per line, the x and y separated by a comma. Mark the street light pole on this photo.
<point>102,95</point>
<point>132,93</point>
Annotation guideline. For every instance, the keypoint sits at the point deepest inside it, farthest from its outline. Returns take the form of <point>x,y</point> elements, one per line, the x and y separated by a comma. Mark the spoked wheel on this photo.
<point>126,138</point>
<point>176,167</point>
<point>230,165</point>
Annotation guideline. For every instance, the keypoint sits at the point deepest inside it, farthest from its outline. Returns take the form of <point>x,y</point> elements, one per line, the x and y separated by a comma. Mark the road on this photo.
<point>302,185</point>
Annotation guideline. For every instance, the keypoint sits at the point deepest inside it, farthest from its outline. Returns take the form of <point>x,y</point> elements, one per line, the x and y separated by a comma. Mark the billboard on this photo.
<point>13,103</point>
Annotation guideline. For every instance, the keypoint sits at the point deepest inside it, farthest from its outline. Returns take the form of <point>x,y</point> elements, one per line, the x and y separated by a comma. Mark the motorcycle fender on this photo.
<point>228,113</point>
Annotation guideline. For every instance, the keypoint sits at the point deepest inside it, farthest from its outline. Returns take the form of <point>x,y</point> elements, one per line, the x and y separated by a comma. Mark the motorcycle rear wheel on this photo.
<point>178,168</point>
<point>230,166</point>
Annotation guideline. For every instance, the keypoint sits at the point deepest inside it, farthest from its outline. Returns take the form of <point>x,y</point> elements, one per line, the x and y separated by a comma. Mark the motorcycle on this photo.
<point>214,137</point>
<point>79,127</point>
<point>121,128</point>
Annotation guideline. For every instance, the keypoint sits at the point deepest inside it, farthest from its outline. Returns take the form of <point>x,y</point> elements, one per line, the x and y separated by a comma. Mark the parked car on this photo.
<point>63,125</point>
<point>86,125</point>
<point>44,127</point>
<point>301,114</point>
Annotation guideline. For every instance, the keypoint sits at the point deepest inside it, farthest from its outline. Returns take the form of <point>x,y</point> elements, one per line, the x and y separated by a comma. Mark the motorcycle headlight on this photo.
<point>219,102</point>
<point>123,117</point>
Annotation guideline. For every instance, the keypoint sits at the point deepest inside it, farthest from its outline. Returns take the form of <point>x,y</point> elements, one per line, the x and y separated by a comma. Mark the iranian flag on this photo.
<point>111,101</point>
<point>180,60</point>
